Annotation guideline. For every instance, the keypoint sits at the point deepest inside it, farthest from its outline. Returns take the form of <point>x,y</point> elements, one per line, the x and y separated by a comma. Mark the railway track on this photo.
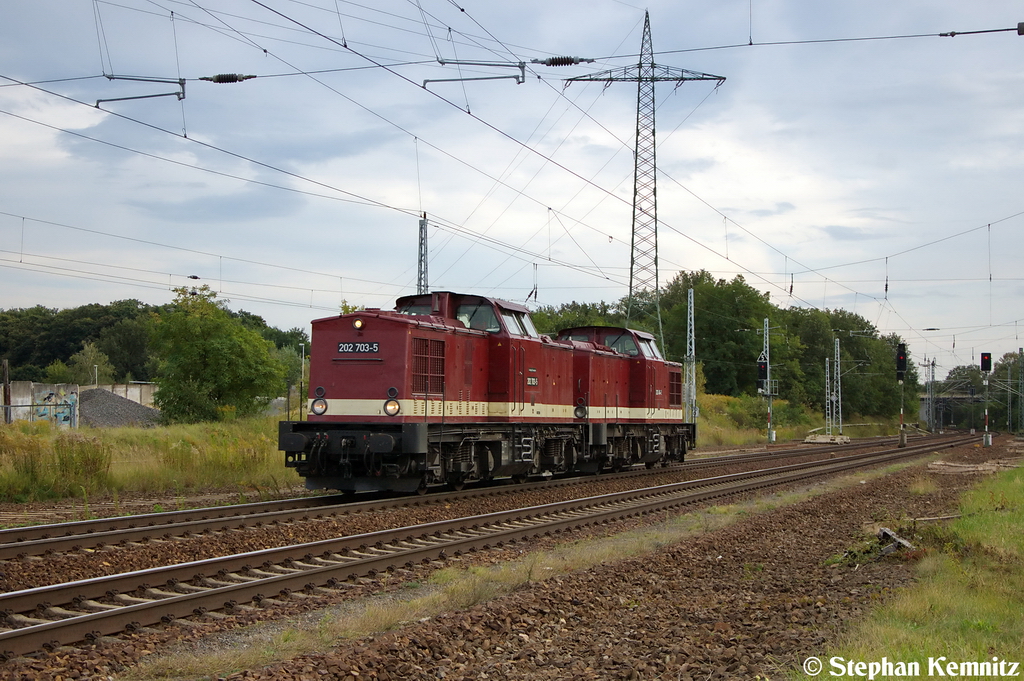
<point>51,616</point>
<point>35,540</point>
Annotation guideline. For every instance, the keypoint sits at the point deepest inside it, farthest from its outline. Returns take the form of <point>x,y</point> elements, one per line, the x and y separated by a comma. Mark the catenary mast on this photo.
<point>643,264</point>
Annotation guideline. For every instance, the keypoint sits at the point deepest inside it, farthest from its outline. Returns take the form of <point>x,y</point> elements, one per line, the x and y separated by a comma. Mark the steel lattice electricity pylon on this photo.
<point>643,262</point>
<point>422,286</point>
<point>690,379</point>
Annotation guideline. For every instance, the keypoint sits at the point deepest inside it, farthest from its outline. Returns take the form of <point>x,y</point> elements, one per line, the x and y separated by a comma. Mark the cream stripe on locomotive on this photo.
<point>455,408</point>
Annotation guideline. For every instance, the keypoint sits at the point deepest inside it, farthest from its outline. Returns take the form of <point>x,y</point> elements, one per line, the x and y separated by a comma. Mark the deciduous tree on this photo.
<point>210,365</point>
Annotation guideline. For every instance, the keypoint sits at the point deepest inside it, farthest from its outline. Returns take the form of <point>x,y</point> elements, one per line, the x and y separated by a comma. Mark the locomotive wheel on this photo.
<point>422,489</point>
<point>519,479</point>
<point>457,484</point>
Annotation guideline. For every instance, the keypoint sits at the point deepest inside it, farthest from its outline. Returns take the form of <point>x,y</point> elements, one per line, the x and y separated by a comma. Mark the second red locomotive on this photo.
<point>451,388</point>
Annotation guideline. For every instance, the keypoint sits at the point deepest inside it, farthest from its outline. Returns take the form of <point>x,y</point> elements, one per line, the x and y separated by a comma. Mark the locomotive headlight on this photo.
<point>357,324</point>
<point>318,406</point>
<point>580,411</point>
<point>392,407</point>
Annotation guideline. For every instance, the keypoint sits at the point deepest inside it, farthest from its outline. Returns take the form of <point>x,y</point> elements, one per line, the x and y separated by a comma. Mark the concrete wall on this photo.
<point>141,393</point>
<point>59,402</point>
<point>42,402</point>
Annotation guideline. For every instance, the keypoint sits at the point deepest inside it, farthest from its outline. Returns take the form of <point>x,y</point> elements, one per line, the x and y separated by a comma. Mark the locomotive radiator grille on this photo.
<point>452,408</point>
<point>675,388</point>
<point>427,366</point>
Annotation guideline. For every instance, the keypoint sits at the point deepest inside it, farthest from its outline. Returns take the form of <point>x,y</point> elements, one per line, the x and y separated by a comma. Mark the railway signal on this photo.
<point>901,361</point>
<point>986,368</point>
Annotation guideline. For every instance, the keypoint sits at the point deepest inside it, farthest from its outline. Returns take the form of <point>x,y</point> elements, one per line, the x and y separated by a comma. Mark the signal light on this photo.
<point>762,370</point>
<point>901,361</point>
<point>986,361</point>
<point>901,357</point>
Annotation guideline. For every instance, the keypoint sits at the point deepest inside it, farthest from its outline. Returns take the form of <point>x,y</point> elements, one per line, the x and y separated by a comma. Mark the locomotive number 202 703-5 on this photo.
<point>348,348</point>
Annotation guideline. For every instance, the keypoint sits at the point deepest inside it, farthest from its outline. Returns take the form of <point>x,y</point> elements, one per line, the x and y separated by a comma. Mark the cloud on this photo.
<point>781,208</point>
<point>242,206</point>
<point>842,233</point>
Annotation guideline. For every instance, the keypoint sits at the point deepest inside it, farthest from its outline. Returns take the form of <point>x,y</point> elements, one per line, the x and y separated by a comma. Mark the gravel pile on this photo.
<point>102,409</point>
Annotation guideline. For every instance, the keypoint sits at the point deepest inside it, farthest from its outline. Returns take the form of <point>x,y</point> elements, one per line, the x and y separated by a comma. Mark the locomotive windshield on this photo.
<point>650,348</point>
<point>519,323</point>
<point>415,308</point>
<point>478,316</point>
<point>622,342</point>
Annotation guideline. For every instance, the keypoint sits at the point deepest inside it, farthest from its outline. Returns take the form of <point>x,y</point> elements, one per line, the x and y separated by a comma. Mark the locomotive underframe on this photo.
<point>408,457</point>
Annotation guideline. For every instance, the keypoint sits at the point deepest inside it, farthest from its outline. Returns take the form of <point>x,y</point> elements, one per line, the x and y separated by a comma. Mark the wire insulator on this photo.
<point>561,61</point>
<point>227,78</point>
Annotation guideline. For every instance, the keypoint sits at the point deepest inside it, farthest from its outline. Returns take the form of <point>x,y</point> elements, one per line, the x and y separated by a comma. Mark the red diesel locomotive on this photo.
<point>451,388</point>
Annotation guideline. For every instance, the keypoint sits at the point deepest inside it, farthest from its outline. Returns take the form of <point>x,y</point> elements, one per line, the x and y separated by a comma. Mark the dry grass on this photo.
<point>41,462</point>
<point>922,485</point>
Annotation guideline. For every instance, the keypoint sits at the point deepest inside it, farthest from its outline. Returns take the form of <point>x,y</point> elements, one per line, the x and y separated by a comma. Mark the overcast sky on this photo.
<point>852,159</point>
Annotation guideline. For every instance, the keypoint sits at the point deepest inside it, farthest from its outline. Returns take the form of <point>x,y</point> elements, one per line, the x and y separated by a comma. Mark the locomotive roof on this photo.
<point>595,327</point>
<point>405,300</point>
<point>515,307</point>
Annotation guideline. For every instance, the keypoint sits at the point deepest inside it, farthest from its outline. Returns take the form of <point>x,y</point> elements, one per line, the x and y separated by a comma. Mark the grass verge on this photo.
<point>39,462</point>
<point>967,604</point>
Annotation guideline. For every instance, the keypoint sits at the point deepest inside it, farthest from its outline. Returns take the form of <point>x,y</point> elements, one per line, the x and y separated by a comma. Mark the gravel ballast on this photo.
<point>756,597</point>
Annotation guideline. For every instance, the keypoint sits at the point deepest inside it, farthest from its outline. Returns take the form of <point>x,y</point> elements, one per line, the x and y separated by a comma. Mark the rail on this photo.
<point>35,540</point>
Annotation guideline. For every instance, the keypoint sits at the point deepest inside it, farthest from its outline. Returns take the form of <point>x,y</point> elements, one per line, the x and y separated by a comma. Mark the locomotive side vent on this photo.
<point>427,366</point>
<point>675,389</point>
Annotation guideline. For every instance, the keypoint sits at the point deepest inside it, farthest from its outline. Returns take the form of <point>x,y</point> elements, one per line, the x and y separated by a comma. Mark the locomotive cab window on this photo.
<point>650,348</point>
<point>519,323</point>
<point>415,309</point>
<point>622,342</point>
<point>478,316</point>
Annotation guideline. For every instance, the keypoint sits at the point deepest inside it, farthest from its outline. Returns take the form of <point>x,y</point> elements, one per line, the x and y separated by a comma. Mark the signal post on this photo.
<point>901,371</point>
<point>986,369</point>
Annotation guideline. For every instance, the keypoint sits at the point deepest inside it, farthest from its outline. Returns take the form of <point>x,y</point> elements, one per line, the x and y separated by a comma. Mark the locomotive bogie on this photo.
<point>367,457</point>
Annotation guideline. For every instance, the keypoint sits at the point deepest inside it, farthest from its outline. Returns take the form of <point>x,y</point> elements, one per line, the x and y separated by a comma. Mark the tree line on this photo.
<point>962,398</point>
<point>209,361</point>
<point>728,338</point>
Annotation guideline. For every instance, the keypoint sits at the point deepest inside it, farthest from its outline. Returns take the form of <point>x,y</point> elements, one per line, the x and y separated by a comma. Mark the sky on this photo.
<point>853,158</point>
